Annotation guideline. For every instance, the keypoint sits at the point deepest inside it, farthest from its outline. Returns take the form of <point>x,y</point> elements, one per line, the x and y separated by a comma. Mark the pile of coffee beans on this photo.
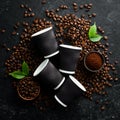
<point>72,29</point>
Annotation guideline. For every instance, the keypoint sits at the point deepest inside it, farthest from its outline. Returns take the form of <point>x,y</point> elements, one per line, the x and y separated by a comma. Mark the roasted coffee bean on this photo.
<point>3,30</point>
<point>14,33</point>
<point>43,1</point>
<point>81,6</point>
<point>105,38</point>
<point>22,6</point>
<point>93,14</point>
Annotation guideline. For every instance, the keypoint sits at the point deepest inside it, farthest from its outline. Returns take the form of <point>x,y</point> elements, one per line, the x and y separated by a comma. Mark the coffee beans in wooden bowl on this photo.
<point>28,89</point>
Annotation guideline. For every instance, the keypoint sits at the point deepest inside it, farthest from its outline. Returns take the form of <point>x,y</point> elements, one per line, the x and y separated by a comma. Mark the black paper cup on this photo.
<point>45,42</point>
<point>68,58</point>
<point>49,75</point>
<point>69,91</point>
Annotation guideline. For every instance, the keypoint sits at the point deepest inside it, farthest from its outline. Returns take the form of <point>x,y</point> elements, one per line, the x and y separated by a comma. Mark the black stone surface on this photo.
<point>108,16</point>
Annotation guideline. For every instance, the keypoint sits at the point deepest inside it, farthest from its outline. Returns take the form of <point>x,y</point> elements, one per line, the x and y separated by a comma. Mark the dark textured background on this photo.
<point>108,16</point>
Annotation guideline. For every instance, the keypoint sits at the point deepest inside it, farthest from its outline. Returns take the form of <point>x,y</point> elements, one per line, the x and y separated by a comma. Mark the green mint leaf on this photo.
<point>92,30</point>
<point>93,36</point>
<point>25,68</point>
<point>17,74</point>
<point>96,38</point>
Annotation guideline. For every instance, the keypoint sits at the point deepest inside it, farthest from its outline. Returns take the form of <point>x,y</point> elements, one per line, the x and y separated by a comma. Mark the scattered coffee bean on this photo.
<point>90,4</point>
<point>3,30</point>
<point>110,53</point>
<point>116,62</point>
<point>14,33</point>
<point>57,10</point>
<point>44,2</point>
<point>85,5</point>
<point>113,117</point>
<point>116,79</point>
<point>26,6</point>
<point>81,6</point>
<point>32,14</point>
<point>29,9</point>
<point>107,44</point>
<point>74,4</point>
<point>102,108</point>
<point>22,6</point>
<point>102,31</point>
<point>93,14</point>
<point>105,37</point>
<point>8,49</point>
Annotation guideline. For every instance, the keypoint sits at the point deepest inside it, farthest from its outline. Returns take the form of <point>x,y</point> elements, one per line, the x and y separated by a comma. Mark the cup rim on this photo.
<point>77,83</point>
<point>41,31</point>
<point>41,67</point>
<point>66,71</point>
<point>59,101</point>
<point>70,47</point>
<point>59,85</point>
<point>51,55</point>
<point>101,57</point>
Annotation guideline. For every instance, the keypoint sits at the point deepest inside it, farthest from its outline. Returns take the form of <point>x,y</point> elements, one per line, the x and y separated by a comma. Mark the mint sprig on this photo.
<point>20,74</point>
<point>93,36</point>
<point>25,68</point>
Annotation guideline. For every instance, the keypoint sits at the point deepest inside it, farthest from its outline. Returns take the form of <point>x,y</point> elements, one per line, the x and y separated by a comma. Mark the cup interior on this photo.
<point>78,84</point>
<point>70,47</point>
<point>42,31</point>
<point>41,67</point>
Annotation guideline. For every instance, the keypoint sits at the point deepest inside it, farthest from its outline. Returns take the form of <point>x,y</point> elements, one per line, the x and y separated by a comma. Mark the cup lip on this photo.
<point>41,31</point>
<point>66,71</point>
<point>41,67</point>
<point>77,83</point>
<point>59,101</point>
<point>59,85</point>
<point>51,55</point>
<point>70,47</point>
<point>101,57</point>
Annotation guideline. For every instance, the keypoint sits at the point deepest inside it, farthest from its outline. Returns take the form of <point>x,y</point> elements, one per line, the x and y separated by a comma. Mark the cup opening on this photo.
<point>103,61</point>
<point>59,85</point>
<point>59,101</point>
<point>51,55</point>
<point>70,47</point>
<point>41,32</point>
<point>77,83</point>
<point>66,72</point>
<point>41,67</point>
